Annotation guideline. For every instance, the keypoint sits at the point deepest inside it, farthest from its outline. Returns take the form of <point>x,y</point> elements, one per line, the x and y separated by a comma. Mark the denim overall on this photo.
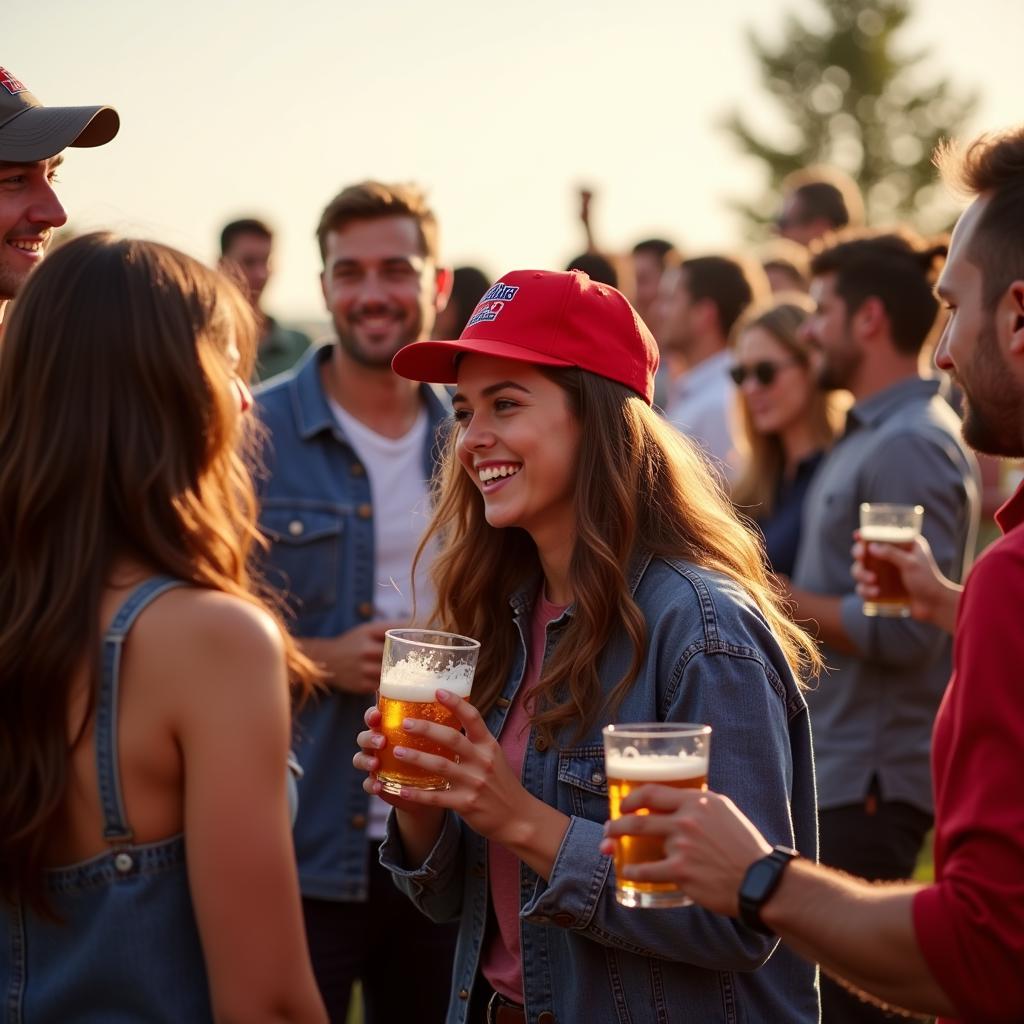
<point>127,948</point>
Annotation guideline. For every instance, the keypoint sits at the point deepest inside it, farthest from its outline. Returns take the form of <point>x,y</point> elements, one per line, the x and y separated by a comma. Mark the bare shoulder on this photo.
<point>200,635</point>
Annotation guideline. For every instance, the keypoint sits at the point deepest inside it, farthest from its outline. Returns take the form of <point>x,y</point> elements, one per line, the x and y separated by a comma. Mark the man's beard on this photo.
<point>838,367</point>
<point>348,339</point>
<point>993,425</point>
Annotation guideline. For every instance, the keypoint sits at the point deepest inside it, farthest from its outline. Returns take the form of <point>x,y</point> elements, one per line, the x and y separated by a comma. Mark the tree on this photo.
<point>850,97</point>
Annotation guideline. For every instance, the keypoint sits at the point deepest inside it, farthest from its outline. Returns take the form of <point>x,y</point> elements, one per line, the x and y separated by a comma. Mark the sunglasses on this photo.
<point>764,371</point>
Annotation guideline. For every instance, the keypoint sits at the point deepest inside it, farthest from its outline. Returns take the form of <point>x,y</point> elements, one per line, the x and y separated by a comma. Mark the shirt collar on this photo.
<point>713,370</point>
<point>869,412</point>
<point>1011,514</point>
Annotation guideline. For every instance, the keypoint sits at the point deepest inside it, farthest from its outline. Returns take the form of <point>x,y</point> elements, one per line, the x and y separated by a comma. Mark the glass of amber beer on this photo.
<point>888,524</point>
<point>417,663</point>
<point>670,753</point>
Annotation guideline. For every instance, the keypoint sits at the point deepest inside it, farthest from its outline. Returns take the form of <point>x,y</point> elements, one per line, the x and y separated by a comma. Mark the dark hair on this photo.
<point>659,248</point>
<point>992,164</point>
<point>897,268</point>
<point>468,287</point>
<point>597,267</point>
<point>244,226</point>
<point>120,431</point>
<point>374,200</point>
<point>729,284</point>
<point>828,193</point>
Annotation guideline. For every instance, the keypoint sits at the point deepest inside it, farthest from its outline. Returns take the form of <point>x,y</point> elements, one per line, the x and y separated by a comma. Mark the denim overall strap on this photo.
<point>115,828</point>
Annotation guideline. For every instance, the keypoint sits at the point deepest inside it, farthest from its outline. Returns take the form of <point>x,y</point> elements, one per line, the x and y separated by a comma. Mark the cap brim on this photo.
<point>41,132</point>
<point>435,362</point>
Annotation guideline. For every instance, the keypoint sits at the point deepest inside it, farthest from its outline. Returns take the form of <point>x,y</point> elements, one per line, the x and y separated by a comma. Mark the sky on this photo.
<point>502,111</point>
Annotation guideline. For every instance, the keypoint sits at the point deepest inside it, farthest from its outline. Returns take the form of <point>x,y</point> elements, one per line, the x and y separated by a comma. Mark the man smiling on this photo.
<point>31,139</point>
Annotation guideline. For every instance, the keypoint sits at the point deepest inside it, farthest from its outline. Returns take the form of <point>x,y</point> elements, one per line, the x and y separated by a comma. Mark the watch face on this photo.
<point>759,880</point>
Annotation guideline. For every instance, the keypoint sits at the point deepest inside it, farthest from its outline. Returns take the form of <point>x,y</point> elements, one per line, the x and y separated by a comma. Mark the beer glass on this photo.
<point>888,524</point>
<point>417,663</point>
<point>673,754</point>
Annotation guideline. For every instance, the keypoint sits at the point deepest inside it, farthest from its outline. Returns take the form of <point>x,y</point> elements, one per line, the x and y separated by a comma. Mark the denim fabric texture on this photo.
<point>710,658</point>
<point>316,510</point>
<point>126,948</point>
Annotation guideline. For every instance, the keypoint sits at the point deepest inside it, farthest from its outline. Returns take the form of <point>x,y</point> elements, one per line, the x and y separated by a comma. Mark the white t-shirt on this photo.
<point>400,491</point>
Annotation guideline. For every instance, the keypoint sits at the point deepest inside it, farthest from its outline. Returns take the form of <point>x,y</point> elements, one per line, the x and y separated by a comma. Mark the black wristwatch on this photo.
<point>760,881</point>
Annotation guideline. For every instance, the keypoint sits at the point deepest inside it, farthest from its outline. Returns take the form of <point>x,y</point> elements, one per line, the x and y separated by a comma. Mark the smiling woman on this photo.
<point>584,543</point>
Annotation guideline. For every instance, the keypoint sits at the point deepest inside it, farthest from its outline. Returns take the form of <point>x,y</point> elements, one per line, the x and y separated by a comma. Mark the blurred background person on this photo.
<point>650,258</point>
<point>468,287</point>
<point>875,308</point>
<point>786,424</point>
<point>246,252</point>
<point>816,201</point>
<point>146,863</point>
<point>698,306</point>
<point>786,265</point>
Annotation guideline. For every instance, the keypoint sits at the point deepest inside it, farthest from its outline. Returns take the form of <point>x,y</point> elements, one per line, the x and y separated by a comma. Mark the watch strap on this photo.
<point>752,901</point>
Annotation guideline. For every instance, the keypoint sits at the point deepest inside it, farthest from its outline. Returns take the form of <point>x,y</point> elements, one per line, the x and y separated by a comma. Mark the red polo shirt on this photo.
<point>970,923</point>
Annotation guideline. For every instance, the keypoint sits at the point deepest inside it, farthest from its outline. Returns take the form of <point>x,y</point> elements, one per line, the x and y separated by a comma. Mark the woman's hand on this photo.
<point>419,826</point>
<point>933,598</point>
<point>484,791</point>
<point>709,843</point>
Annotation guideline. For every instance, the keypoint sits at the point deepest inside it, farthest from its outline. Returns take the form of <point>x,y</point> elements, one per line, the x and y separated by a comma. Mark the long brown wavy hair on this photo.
<point>764,459</point>
<point>640,486</point>
<point>121,438</point>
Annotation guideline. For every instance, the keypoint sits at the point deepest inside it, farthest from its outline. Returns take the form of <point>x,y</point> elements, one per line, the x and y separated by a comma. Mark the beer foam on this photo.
<point>408,681</point>
<point>888,534</point>
<point>655,767</point>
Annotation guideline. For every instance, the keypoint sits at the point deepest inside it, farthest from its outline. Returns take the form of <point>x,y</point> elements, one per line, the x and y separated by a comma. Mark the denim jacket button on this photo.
<point>503,702</point>
<point>295,528</point>
<point>563,920</point>
<point>463,993</point>
<point>364,511</point>
<point>364,610</point>
<point>357,821</point>
<point>124,862</point>
<point>597,778</point>
<point>546,1018</point>
<point>540,745</point>
<point>356,469</point>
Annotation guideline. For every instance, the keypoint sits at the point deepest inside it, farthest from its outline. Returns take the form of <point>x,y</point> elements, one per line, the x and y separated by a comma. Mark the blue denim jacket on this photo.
<point>316,511</point>
<point>710,658</point>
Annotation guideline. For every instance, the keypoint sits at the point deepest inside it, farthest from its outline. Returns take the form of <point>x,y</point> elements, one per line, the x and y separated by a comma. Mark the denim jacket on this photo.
<point>316,510</point>
<point>710,658</point>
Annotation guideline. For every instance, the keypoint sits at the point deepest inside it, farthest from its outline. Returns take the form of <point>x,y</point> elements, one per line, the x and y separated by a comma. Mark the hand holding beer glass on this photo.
<point>664,752</point>
<point>417,663</point>
<point>897,525</point>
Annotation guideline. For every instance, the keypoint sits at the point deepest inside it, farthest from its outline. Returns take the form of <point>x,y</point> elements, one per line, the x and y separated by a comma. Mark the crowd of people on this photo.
<point>638,483</point>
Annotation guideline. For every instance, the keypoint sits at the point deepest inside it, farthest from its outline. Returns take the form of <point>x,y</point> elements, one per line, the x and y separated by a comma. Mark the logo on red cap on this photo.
<point>492,303</point>
<point>10,83</point>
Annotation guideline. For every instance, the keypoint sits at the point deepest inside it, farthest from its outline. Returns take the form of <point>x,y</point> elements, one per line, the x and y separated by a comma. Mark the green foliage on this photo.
<point>849,96</point>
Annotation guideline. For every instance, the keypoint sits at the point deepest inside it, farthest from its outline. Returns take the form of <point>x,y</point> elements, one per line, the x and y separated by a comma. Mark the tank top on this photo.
<point>126,948</point>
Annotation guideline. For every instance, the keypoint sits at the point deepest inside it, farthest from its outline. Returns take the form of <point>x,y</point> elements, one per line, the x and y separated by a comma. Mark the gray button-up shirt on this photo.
<point>872,712</point>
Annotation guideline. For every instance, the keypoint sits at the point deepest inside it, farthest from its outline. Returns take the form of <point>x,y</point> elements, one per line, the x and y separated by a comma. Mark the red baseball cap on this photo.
<point>548,318</point>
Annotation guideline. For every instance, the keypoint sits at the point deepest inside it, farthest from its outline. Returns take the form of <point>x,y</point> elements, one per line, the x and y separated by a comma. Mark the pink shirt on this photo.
<point>502,961</point>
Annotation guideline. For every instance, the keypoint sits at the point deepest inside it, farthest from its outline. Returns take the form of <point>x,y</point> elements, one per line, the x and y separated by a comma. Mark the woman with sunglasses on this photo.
<point>146,863</point>
<point>587,547</point>
<point>786,425</point>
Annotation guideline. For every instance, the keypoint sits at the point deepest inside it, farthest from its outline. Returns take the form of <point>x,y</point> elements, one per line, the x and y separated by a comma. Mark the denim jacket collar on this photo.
<point>521,599</point>
<point>309,400</point>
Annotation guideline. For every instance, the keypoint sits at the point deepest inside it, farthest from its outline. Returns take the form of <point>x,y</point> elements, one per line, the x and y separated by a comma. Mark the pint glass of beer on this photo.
<point>417,663</point>
<point>888,524</point>
<point>674,754</point>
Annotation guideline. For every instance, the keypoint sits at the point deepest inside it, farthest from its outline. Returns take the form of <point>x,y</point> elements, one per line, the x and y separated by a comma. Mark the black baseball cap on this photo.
<point>29,131</point>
